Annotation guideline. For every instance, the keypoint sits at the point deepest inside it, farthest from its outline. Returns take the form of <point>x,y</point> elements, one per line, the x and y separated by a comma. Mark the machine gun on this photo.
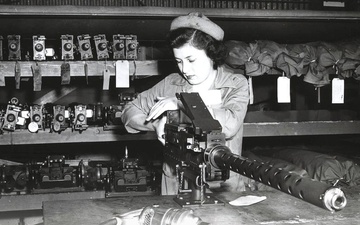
<point>196,147</point>
<point>186,143</point>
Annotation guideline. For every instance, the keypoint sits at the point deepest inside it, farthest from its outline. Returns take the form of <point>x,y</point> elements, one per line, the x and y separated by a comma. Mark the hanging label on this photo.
<point>283,90</point>
<point>2,76</point>
<point>65,73</point>
<point>106,79</point>
<point>338,88</point>
<point>251,91</point>
<point>17,75</point>
<point>86,71</point>
<point>334,3</point>
<point>36,70</point>
<point>122,75</point>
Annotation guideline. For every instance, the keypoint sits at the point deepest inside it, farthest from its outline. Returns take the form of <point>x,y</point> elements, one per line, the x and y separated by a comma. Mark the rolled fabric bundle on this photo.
<point>351,58</point>
<point>314,73</point>
<point>332,55</point>
<point>290,65</point>
<point>259,63</point>
<point>357,73</point>
<point>271,48</point>
<point>238,53</point>
<point>350,48</point>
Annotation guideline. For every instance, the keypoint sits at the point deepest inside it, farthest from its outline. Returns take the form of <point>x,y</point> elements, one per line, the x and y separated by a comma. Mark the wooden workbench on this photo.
<point>278,208</point>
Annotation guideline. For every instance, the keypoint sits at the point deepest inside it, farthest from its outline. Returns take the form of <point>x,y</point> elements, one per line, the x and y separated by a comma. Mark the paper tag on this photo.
<point>338,88</point>
<point>65,73</point>
<point>86,71</point>
<point>17,75</point>
<point>251,91</point>
<point>122,74</point>
<point>36,70</point>
<point>283,90</point>
<point>334,3</point>
<point>318,89</point>
<point>106,79</point>
<point>2,76</point>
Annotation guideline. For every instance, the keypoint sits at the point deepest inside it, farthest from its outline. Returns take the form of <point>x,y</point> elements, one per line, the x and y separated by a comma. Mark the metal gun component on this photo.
<point>118,46</point>
<point>160,216</point>
<point>14,47</point>
<point>55,173</point>
<point>101,46</point>
<point>58,123</point>
<point>126,97</point>
<point>315,192</point>
<point>129,176</point>
<point>131,46</point>
<point>95,177</point>
<point>12,114</point>
<point>153,215</point>
<point>67,47</point>
<point>97,117</point>
<point>14,178</point>
<point>39,53</point>
<point>36,118</point>
<point>7,181</point>
<point>84,46</point>
<point>112,113</point>
<point>80,118</point>
<point>185,145</point>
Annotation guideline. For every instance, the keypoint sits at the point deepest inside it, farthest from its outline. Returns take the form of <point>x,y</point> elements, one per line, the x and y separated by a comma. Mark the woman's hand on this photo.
<point>163,104</point>
<point>160,129</point>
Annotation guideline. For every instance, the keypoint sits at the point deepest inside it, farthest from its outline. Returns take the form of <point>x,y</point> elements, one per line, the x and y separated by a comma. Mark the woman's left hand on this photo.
<point>163,104</point>
<point>160,129</point>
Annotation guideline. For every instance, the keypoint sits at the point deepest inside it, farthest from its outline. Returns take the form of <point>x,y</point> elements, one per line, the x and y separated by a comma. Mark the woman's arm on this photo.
<point>135,113</point>
<point>234,107</point>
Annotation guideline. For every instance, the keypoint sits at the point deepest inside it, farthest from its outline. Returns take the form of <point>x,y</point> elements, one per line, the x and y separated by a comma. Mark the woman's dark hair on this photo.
<point>214,49</point>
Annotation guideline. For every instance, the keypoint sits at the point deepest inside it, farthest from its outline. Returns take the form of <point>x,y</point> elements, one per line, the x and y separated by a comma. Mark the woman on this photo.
<point>199,51</point>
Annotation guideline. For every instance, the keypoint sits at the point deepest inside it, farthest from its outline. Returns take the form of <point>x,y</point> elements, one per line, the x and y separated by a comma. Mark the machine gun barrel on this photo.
<point>315,192</point>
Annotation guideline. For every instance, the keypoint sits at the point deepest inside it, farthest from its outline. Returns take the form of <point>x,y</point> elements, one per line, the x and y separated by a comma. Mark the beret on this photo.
<point>200,22</point>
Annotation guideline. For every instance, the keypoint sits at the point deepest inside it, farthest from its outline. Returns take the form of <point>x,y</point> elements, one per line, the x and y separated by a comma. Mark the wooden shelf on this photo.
<point>95,68</point>
<point>264,129</point>
<point>259,129</point>
<point>152,23</point>
<point>92,134</point>
<point>163,12</point>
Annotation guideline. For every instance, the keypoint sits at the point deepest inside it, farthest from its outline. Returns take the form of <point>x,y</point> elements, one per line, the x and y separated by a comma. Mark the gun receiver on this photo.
<point>185,146</point>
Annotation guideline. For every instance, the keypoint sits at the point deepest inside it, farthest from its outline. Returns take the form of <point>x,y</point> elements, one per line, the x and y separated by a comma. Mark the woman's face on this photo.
<point>193,63</point>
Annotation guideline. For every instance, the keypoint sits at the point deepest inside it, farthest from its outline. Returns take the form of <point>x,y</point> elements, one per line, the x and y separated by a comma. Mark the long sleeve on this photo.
<point>135,112</point>
<point>232,112</point>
